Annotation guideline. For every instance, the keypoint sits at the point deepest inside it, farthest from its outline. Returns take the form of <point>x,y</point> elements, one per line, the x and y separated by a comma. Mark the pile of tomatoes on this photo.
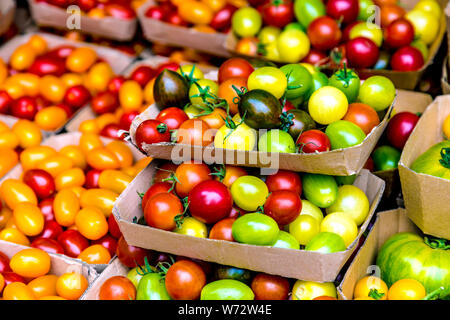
<point>120,9</point>
<point>26,276</point>
<point>201,15</point>
<point>231,204</point>
<point>179,278</point>
<point>48,86</point>
<point>266,108</point>
<point>62,202</point>
<point>332,32</point>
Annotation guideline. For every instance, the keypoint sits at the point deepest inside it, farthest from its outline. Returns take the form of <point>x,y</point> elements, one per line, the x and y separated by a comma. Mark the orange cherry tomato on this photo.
<point>91,223</point>
<point>71,285</point>
<point>72,79</point>
<point>70,178</point>
<point>190,174</point>
<point>204,28</point>
<point>38,43</point>
<point>99,198</point>
<point>28,133</point>
<point>89,142</point>
<point>102,158</point>
<point>142,163</point>
<point>99,76</point>
<point>55,164</point>
<point>227,92</point>
<point>14,191</point>
<point>215,5</point>
<point>81,59</point>
<point>15,236</point>
<point>95,254</point>
<point>195,132</point>
<point>131,96</point>
<point>75,154</point>
<point>247,46</point>
<point>3,71</point>
<point>228,174</point>
<point>195,12</point>
<point>363,115</point>
<point>89,126</point>
<point>30,263</point>
<point>13,88</point>
<point>29,158</point>
<point>43,286</point>
<point>65,207</point>
<point>8,160</point>
<point>51,118</point>
<point>105,119</point>
<point>148,92</point>
<point>78,191</point>
<point>9,139</point>
<point>406,289</point>
<point>96,13</point>
<point>2,282</point>
<point>215,119</point>
<point>52,88</point>
<point>22,58</point>
<point>29,82</point>
<point>18,291</point>
<point>5,215</point>
<point>122,152</point>
<point>365,285</point>
<point>114,180</point>
<point>28,218</point>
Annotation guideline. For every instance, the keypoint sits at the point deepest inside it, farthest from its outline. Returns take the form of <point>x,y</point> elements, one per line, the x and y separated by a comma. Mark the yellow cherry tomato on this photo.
<point>52,88</point>
<point>70,178</point>
<point>8,160</point>
<point>28,133</point>
<point>14,89</point>
<point>9,139</point>
<point>238,3</point>
<point>29,158</point>
<point>51,118</point>
<point>14,191</point>
<point>148,92</point>
<point>99,76</point>
<point>341,224</point>
<point>43,286</point>
<point>102,158</point>
<point>89,126</point>
<point>130,171</point>
<point>370,286</point>
<point>30,263</point>
<point>29,82</point>
<point>89,142</point>
<point>28,218</point>
<point>66,206</point>
<point>81,59</point>
<point>308,290</point>
<point>122,152</point>
<point>5,216</point>
<point>91,223</point>
<point>406,289</point>
<point>78,191</point>
<point>18,291</point>
<point>38,44</point>
<point>75,154</point>
<point>72,79</point>
<point>446,127</point>
<point>15,236</point>
<point>95,254</point>
<point>195,12</point>
<point>100,198</point>
<point>114,180</point>
<point>131,96</point>
<point>215,5</point>
<point>22,58</point>
<point>71,285</point>
<point>105,119</point>
<point>55,164</point>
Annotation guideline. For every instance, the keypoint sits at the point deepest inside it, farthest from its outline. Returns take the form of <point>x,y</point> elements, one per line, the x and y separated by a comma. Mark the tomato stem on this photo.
<point>445,161</point>
<point>286,121</point>
<point>179,218</point>
<point>374,293</point>
<point>434,295</point>
<point>219,172</point>
<point>436,243</point>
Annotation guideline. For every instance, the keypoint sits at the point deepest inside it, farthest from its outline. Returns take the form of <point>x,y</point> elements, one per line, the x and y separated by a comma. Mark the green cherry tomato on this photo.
<point>344,134</point>
<point>268,34</point>
<point>203,90</point>
<point>286,240</point>
<point>327,104</point>
<point>134,276</point>
<point>192,227</point>
<point>304,228</point>
<point>367,10</point>
<point>249,192</point>
<point>192,71</point>
<point>378,92</point>
<point>297,76</point>
<point>326,242</point>
<point>255,228</point>
<point>228,272</point>
<point>367,30</point>
<point>343,180</point>
<point>192,111</point>
<point>152,287</point>
<point>319,80</point>
<point>293,45</point>
<point>269,79</point>
<point>226,289</point>
<point>321,190</point>
<point>246,22</point>
<point>296,26</point>
<point>308,10</point>
<point>422,47</point>
<point>352,201</point>
<point>276,141</point>
<point>386,158</point>
<point>347,81</point>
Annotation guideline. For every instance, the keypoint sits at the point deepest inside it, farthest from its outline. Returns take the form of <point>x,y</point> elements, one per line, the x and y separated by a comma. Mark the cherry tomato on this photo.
<point>283,206</point>
<point>99,198</point>
<point>185,280</point>
<point>327,104</point>
<point>47,245</point>
<point>363,116</point>
<point>311,141</point>
<point>406,289</point>
<point>195,12</point>
<point>30,263</point>
<point>4,263</point>
<point>407,59</point>
<point>365,285</point>
<point>81,59</point>
<point>51,230</point>
<point>390,13</point>
<point>104,102</point>
<point>270,287</point>
<point>14,192</point>
<point>344,10</point>
<point>161,210</point>
<point>284,180</point>
<point>277,13</point>
<point>189,175</point>
<point>18,291</point>
<point>246,22</point>
<point>55,164</point>
<point>91,223</point>
<point>92,177</point>
<point>109,243</point>
<point>400,127</point>
<point>234,68</point>
<point>22,58</point>
<point>221,230</point>
<point>113,227</point>
<point>152,131</point>
<point>228,92</point>
<point>95,254</point>
<point>117,288</point>
<point>72,242</point>
<point>249,192</point>
<point>41,182</point>
<point>14,235</point>
<point>154,189</point>
<point>228,174</point>
<point>24,108</point>
<point>221,20</point>
<point>399,33</point>
<point>324,33</point>
<point>28,133</point>
<point>66,206</point>
<point>28,218</point>
<point>71,285</point>
<point>131,256</point>
<point>11,277</point>
<point>361,52</point>
<point>131,95</point>
<point>122,152</point>
<point>44,286</point>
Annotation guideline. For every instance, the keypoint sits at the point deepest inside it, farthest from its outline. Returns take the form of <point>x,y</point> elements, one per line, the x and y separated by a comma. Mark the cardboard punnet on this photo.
<point>7,11</point>
<point>402,80</point>
<point>116,59</point>
<point>58,142</point>
<point>48,15</point>
<point>166,33</point>
<point>427,198</point>
<point>298,264</point>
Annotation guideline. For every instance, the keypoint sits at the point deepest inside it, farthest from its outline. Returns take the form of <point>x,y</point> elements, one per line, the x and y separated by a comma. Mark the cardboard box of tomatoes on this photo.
<point>181,36</point>
<point>424,169</point>
<point>111,22</point>
<point>7,10</point>
<point>299,264</point>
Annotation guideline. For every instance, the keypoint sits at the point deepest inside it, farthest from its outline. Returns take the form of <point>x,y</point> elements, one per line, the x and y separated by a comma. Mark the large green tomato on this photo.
<point>211,89</point>
<point>435,161</point>
<point>352,201</point>
<point>344,134</point>
<point>297,75</point>
<point>426,25</point>
<point>304,228</point>
<point>326,242</point>
<point>327,104</point>
<point>367,30</point>
<point>276,141</point>
<point>249,192</point>
<point>293,45</point>
<point>192,227</point>
<point>268,34</point>
<point>308,290</point>
<point>386,158</point>
<point>255,228</point>
<point>226,289</point>
<point>308,10</point>
<point>312,210</point>
<point>378,92</point>
<point>321,190</point>
<point>152,287</point>
<point>286,240</point>
<point>367,10</point>
<point>409,256</point>
<point>240,138</point>
<point>341,224</point>
<point>269,79</point>
<point>347,81</point>
<point>246,22</point>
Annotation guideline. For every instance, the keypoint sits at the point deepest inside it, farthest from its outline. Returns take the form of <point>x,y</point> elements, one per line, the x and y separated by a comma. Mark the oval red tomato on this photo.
<point>41,182</point>
<point>400,127</point>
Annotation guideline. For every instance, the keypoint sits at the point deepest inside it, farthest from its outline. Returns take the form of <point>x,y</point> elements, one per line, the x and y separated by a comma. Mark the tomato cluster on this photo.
<point>62,202</point>
<point>165,277</point>
<point>207,16</point>
<point>335,32</point>
<point>120,9</point>
<point>287,105</point>
<point>26,276</point>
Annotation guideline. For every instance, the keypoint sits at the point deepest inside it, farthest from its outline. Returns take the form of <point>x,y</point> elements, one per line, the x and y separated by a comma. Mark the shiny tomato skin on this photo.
<point>278,14</point>
<point>77,96</point>
<point>155,12</point>
<point>235,68</point>
<point>45,65</point>
<point>173,117</point>
<point>113,227</point>
<point>41,182</point>
<point>4,263</point>
<point>315,57</point>
<point>127,118</point>
<point>131,256</point>
<point>60,52</point>
<point>363,116</point>
<point>400,127</point>
<point>161,210</point>
<point>11,277</point>
<point>152,131</point>
<point>142,75</point>
<point>347,10</point>
<point>221,230</point>
<point>361,52</point>
<point>109,242</point>
<point>51,230</point>
<point>175,19</point>
<point>115,83</point>
<point>92,177</point>
<point>5,101</point>
<point>324,33</point>
<point>117,288</point>
<point>407,59</point>
<point>283,206</point>
<point>48,245</point>
<point>173,66</point>
<point>313,140</point>
<point>190,174</point>
<point>46,207</point>
<point>389,13</point>
<point>105,102</point>
<point>210,201</point>
<point>120,11</point>
<point>185,280</point>
<point>399,33</point>
<point>111,130</point>
<point>270,287</point>
<point>72,242</point>
<point>222,18</point>
<point>164,171</point>
<point>284,180</point>
<point>24,108</point>
<point>158,187</point>
<point>195,132</point>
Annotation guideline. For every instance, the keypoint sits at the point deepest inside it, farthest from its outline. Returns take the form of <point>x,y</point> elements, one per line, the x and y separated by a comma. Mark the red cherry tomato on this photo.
<point>284,180</point>
<point>399,33</point>
<point>5,101</point>
<point>283,206</point>
<point>105,102</point>
<point>173,117</point>
<point>400,128</point>
<point>41,182</point>
<point>407,59</point>
<point>324,33</point>
<point>158,187</point>
<point>155,12</point>
<point>175,19</point>
<point>316,57</point>
<point>278,13</point>
<point>72,242</point>
<point>52,230</point>
<point>120,11</point>
<point>115,83</point>
<point>222,18</point>
<point>185,280</point>
<point>390,13</point>
<point>77,96</point>
<point>313,140</point>
<point>347,10</point>
<point>60,52</point>
<point>92,177</point>
<point>235,68</point>
<point>152,131</point>
<point>270,287</point>
<point>45,65</point>
<point>108,242</point>
<point>24,108</point>
<point>113,227</point>
<point>46,207</point>
<point>221,230</point>
<point>47,245</point>
<point>4,263</point>
<point>111,130</point>
<point>164,171</point>
<point>362,52</point>
<point>127,118</point>
<point>142,75</point>
<point>173,66</point>
<point>161,210</point>
<point>132,256</point>
<point>11,277</point>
